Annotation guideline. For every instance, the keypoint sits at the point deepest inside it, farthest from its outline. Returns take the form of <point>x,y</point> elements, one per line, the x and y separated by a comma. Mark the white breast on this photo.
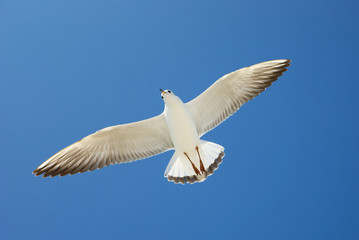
<point>181,126</point>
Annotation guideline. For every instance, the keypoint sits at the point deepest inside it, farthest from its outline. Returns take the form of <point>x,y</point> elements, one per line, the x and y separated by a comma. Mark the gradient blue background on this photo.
<point>69,68</point>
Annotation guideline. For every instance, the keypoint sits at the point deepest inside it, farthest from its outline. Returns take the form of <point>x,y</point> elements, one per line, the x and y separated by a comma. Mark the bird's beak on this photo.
<point>162,91</point>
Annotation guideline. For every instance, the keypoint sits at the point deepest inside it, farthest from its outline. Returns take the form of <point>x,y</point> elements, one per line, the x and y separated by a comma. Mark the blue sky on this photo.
<point>69,68</point>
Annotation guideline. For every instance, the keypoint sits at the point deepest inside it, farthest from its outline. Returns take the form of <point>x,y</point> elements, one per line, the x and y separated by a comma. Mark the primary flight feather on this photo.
<point>179,127</point>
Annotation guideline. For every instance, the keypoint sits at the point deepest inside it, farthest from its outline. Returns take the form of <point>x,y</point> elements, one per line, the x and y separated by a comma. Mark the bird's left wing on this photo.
<point>231,91</point>
<point>111,145</point>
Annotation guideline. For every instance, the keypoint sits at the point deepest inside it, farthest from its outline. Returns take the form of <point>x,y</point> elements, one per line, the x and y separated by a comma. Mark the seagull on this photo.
<point>179,128</point>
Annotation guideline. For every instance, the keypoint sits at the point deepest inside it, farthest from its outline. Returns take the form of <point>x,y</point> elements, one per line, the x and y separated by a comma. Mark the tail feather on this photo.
<point>180,170</point>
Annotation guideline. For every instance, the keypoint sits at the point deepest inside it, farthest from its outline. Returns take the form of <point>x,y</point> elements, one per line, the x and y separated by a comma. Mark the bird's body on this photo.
<point>180,124</point>
<point>190,163</point>
<point>178,128</point>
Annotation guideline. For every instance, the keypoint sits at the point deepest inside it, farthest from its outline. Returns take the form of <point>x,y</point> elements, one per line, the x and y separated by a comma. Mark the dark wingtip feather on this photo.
<point>287,62</point>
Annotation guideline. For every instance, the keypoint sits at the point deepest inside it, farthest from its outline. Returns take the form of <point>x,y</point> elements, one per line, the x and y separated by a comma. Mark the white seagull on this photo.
<point>179,128</point>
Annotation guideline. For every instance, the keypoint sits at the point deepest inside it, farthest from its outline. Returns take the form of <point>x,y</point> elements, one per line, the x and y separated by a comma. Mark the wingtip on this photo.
<point>283,62</point>
<point>286,61</point>
<point>36,172</point>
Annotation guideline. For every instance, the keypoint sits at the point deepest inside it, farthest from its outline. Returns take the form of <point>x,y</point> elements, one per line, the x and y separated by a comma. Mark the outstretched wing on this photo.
<point>231,91</point>
<point>117,144</point>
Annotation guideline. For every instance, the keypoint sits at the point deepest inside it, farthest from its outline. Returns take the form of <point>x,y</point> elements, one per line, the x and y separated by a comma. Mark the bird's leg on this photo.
<point>194,166</point>
<point>200,161</point>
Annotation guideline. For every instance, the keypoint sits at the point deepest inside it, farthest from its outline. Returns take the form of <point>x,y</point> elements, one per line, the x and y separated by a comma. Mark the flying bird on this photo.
<point>179,128</point>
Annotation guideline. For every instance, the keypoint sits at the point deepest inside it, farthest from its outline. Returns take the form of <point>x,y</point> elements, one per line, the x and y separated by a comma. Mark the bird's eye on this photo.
<point>161,96</point>
<point>169,91</point>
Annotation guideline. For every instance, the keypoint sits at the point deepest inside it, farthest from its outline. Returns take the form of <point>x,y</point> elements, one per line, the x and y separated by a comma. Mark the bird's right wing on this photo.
<point>231,91</point>
<point>111,145</point>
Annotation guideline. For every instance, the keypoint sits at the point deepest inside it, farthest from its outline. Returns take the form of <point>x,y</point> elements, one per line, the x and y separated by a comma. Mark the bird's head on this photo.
<point>168,97</point>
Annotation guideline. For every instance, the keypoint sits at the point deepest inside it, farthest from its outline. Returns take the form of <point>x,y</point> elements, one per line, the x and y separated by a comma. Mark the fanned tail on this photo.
<point>202,164</point>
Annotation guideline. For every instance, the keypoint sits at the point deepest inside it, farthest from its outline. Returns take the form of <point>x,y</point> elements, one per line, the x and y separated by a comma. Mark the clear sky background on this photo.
<point>69,68</point>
